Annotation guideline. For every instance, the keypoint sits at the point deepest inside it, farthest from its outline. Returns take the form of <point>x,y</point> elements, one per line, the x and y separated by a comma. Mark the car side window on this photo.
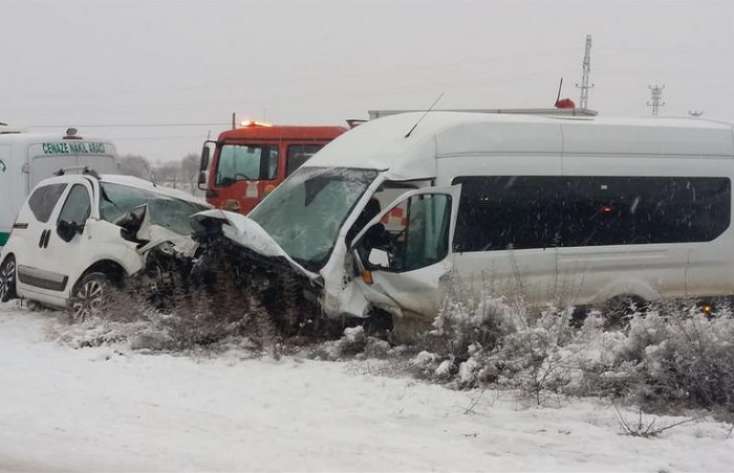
<point>77,207</point>
<point>43,201</point>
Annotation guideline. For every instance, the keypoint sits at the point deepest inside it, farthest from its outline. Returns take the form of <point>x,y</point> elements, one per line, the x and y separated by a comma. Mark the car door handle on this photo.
<point>45,236</point>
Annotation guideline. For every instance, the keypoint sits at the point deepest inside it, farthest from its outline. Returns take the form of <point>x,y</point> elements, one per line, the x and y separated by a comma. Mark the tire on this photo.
<point>89,296</point>
<point>8,280</point>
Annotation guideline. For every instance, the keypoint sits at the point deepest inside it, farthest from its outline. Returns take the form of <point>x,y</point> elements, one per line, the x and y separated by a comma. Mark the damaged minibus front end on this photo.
<point>341,242</point>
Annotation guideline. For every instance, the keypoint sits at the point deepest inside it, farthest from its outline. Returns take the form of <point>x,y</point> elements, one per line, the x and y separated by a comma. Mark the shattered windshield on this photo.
<point>118,200</point>
<point>304,214</point>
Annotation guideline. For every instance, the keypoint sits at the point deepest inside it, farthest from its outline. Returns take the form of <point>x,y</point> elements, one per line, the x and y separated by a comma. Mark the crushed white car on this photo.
<point>78,233</point>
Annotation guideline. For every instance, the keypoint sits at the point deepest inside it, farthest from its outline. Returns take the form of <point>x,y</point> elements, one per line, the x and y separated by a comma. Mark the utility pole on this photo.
<point>656,98</point>
<point>586,72</point>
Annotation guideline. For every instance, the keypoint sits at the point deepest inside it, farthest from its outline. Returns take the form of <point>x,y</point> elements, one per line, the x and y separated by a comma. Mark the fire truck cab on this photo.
<point>249,162</point>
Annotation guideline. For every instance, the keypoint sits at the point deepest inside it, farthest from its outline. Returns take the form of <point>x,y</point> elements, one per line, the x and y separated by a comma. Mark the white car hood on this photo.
<point>247,233</point>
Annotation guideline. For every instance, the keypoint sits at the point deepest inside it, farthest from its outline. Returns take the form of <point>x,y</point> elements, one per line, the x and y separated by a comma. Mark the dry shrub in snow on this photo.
<point>486,339</point>
<point>668,357</point>
<point>192,319</point>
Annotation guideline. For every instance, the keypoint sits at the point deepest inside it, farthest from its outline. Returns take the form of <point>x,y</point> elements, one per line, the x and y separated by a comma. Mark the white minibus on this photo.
<point>595,209</point>
<point>28,158</point>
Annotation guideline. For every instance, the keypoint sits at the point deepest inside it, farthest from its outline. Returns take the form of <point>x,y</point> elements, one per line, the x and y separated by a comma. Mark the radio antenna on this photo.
<point>560,86</point>
<point>407,135</point>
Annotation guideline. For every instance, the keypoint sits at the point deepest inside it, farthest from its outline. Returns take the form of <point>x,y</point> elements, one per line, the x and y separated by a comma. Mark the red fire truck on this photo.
<point>249,162</point>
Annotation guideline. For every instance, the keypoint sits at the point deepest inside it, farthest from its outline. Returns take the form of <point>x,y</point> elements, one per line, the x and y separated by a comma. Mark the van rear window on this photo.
<point>44,199</point>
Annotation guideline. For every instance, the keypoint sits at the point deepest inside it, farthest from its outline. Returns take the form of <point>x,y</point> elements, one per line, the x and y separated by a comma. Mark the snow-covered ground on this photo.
<point>112,409</point>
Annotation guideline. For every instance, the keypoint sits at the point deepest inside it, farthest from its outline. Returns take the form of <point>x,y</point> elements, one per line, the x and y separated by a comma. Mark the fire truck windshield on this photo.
<point>246,162</point>
<point>304,214</point>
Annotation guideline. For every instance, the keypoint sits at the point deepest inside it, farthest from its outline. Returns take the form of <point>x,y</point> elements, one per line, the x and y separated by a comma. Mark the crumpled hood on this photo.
<point>248,233</point>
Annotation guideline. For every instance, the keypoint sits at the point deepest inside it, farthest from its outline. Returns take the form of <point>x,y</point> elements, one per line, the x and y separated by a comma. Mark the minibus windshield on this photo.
<point>304,214</point>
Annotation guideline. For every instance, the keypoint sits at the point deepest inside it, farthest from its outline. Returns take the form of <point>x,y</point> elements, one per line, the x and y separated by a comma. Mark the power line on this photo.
<point>134,125</point>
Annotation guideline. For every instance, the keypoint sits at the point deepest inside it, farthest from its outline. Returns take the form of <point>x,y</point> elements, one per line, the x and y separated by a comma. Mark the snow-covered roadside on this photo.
<point>101,409</point>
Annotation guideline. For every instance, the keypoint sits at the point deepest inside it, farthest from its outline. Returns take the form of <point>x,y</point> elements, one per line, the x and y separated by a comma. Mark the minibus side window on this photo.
<point>526,212</point>
<point>621,210</point>
<point>508,212</point>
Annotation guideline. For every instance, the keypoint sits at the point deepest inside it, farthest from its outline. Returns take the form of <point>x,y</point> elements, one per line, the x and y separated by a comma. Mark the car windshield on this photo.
<point>304,214</point>
<point>118,200</point>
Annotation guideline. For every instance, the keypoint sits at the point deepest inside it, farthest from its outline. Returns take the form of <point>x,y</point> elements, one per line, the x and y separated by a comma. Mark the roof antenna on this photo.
<point>407,135</point>
<point>560,86</point>
<point>563,103</point>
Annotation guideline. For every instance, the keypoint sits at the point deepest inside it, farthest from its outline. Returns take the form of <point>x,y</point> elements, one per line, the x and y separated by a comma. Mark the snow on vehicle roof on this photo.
<point>138,183</point>
<point>381,144</point>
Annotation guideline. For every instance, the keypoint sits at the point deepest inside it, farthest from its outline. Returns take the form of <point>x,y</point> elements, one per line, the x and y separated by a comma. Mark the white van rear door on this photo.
<point>406,251</point>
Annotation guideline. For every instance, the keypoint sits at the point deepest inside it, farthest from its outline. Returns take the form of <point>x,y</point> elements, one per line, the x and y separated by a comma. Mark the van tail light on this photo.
<point>367,277</point>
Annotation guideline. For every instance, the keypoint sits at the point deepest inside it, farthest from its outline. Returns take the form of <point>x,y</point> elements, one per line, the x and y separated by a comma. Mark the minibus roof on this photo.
<point>382,144</point>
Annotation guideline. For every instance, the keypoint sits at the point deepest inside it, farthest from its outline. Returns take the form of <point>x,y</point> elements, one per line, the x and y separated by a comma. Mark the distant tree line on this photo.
<point>182,174</point>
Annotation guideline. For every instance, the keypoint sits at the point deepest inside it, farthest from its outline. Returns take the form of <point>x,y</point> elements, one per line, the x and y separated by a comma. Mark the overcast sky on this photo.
<point>96,62</point>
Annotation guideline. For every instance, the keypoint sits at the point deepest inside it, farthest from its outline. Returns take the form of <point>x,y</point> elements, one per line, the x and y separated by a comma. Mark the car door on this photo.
<point>404,268</point>
<point>30,237</point>
<point>67,250</point>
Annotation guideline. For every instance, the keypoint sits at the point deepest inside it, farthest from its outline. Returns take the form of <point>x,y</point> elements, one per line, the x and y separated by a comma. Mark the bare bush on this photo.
<point>644,427</point>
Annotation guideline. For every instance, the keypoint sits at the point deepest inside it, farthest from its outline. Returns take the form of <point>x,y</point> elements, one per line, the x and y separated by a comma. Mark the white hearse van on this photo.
<point>597,209</point>
<point>28,158</point>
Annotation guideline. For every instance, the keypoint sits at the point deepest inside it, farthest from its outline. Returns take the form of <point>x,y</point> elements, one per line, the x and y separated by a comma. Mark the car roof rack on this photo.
<point>582,112</point>
<point>86,170</point>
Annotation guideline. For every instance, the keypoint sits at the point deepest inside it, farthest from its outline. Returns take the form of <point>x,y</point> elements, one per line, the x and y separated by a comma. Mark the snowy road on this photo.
<point>104,410</point>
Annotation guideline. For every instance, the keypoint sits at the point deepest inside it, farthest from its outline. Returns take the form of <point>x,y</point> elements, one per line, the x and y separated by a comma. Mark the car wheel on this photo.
<point>7,280</point>
<point>88,296</point>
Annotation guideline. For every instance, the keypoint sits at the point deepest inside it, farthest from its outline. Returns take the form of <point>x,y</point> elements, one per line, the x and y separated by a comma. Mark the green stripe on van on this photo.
<point>4,238</point>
